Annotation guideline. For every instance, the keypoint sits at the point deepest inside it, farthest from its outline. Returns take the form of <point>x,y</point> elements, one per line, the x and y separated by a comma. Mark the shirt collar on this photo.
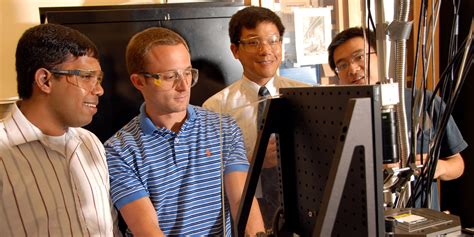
<point>255,87</point>
<point>19,128</point>
<point>22,131</point>
<point>148,127</point>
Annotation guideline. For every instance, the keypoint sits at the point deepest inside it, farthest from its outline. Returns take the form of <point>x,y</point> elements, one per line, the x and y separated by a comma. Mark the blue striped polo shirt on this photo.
<point>180,172</point>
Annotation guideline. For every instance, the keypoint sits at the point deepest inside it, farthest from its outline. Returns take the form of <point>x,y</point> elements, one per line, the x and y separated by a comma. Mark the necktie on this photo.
<point>262,93</point>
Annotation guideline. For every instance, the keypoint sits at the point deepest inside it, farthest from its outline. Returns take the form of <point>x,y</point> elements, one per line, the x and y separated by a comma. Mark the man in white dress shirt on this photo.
<point>54,179</point>
<point>256,41</point>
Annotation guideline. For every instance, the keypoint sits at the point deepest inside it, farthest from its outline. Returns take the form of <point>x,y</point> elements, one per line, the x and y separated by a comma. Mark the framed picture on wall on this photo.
<point>312,35</point>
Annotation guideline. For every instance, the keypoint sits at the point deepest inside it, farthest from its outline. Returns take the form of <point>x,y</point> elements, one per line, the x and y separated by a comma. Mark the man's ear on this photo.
<point>235,50</point>
<point>42,80</point>
<point>137,81</point>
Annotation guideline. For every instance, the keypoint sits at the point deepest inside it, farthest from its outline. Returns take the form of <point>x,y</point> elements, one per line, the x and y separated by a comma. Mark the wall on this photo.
<point>13,22</point>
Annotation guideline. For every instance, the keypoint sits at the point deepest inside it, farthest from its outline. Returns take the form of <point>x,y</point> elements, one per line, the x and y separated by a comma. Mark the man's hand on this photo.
<point>271,153</point>
<point>447,168</point>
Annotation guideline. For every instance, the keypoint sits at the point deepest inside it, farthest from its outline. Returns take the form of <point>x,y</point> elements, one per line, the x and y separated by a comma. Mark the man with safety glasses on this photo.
<point>348,52</point>
<point>176,169</point>
<point>256,41</point>
<point>54,179</point>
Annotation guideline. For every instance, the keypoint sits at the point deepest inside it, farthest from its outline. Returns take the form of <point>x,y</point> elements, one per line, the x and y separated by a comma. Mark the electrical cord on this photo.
<point>450,95</point>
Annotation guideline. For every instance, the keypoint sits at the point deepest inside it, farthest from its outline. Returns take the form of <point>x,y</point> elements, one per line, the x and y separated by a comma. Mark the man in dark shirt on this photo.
<point>347,53</point>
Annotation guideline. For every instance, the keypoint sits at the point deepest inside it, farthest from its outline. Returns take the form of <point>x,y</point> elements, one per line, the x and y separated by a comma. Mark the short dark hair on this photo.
<point>141,43</point>
<point>46,46</point>
<point>346,35</point>
<point>249,18</point>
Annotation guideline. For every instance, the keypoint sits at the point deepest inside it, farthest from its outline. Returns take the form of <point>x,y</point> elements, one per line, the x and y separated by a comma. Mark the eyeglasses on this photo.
<point>84,79</point>
<point>253,44</point>
<point>358,58</point>
<point>168,80</point>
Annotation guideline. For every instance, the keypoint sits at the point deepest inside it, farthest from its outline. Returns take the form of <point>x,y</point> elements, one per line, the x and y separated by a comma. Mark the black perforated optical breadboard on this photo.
<point>314,120</point>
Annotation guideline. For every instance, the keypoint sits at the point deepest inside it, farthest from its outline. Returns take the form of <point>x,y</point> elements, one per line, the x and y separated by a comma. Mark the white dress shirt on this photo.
<point>52,185</point>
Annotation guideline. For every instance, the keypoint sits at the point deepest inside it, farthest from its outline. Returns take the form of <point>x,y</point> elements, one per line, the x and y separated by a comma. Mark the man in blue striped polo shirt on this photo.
<point>175,168</point>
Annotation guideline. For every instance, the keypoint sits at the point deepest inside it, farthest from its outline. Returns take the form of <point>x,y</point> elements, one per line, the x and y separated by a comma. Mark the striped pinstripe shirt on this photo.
<point>179,172</point>
<point>52,186</point>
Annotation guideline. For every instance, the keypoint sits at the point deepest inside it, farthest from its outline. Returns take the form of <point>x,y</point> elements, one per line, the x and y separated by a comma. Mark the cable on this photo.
<point>461,58</point>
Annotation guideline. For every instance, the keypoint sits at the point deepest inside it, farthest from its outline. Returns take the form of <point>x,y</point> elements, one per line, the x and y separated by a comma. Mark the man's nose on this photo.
<point>181,83</point>
<point>354,67</point>
<point>264,47</point>
<point>98,89</point>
